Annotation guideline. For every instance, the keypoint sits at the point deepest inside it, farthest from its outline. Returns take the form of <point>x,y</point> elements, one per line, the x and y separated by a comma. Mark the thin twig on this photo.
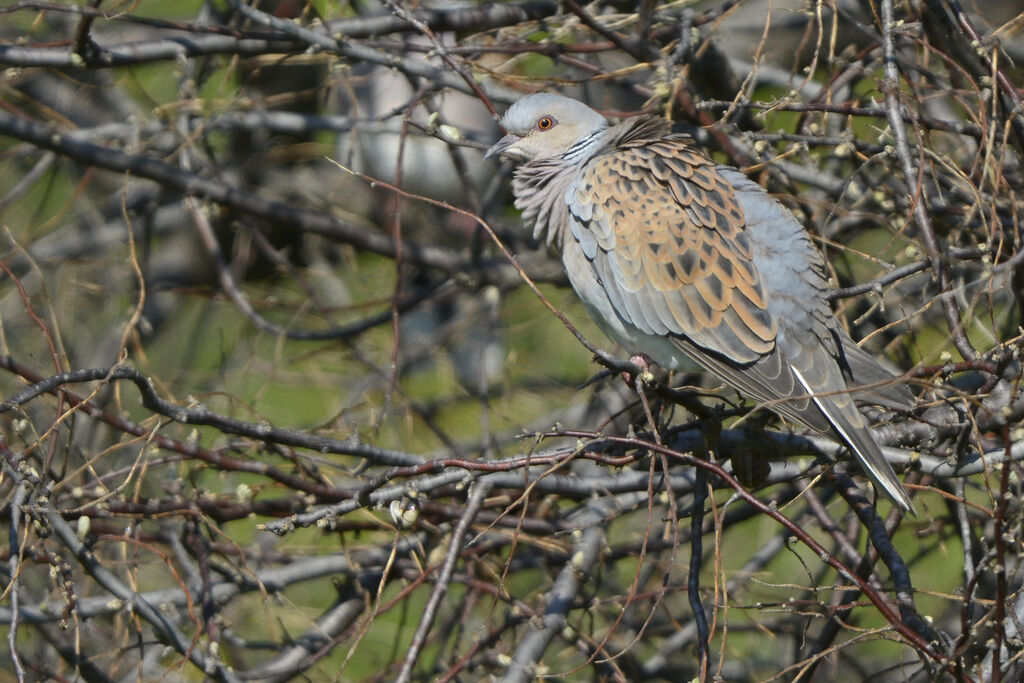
<point>455,546</point>
<point>700,494</point>
<point>914,180</point>
<point>14,567</point>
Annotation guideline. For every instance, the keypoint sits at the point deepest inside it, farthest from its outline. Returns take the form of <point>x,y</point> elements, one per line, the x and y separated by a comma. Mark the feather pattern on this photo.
<point>677,257</point>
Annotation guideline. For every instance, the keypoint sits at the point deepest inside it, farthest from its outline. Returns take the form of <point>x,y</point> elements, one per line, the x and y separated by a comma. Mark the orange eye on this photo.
<point>545,123</point>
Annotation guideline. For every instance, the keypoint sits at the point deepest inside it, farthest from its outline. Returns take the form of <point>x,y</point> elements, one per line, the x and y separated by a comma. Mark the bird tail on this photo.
<point>851,427</point>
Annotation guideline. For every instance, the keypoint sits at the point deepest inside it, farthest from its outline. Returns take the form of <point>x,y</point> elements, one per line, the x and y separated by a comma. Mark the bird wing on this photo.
<point>821,378</point>
<point>665,234</point>
<point>885,390</point>
<point>794,272</point>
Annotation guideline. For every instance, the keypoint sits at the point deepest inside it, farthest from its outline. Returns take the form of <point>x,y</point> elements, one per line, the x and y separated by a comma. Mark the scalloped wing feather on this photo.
<point>666,234</point>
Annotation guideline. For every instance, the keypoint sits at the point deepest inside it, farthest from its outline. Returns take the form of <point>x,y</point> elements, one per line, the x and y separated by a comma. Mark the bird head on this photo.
<point>544,126</point>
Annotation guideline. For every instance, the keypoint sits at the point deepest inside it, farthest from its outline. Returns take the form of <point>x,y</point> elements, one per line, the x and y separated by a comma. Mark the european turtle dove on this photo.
<point>674,255</point>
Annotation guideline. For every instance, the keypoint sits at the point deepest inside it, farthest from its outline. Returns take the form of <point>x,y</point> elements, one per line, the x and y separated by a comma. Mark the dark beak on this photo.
<point>501,145</point>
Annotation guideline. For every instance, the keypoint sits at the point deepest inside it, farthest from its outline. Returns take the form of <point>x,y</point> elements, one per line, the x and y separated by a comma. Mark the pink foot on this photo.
<point>644,362</point>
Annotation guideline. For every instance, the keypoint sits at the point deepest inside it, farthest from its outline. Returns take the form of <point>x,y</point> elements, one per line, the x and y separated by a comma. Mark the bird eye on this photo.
<point>545,123</point>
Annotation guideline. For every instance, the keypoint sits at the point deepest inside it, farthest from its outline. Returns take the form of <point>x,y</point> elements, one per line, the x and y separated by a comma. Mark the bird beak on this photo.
<point>502,145</point>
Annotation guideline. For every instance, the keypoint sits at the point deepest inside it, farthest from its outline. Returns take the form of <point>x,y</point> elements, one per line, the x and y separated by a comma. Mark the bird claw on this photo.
<point>644,362</point>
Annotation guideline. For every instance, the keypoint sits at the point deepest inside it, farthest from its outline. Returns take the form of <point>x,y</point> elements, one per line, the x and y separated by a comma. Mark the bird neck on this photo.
<point>540,187</point>
<point>585,148</point>
<point>647,127</point>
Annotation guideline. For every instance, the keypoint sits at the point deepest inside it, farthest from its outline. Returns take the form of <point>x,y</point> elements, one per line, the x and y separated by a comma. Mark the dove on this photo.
<point>676,257</point>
